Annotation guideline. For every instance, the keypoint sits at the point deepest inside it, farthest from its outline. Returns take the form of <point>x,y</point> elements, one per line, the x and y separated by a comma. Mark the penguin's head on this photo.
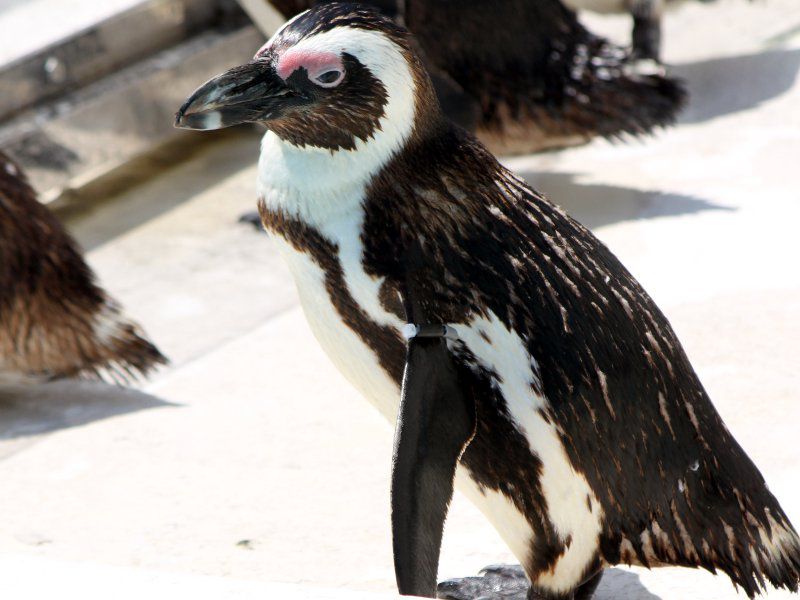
<point>335,77</point>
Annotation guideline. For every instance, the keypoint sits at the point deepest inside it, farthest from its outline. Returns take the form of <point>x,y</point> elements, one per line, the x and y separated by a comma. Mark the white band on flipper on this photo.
<point>412,330</point>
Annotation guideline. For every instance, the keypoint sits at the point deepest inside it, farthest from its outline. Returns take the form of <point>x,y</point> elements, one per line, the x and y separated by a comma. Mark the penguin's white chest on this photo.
<point>347,350</point>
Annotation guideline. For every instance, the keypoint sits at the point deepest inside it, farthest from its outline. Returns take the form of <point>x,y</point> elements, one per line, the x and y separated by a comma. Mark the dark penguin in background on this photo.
<point>55,321</point>
<point>525,75</point>
<point>519,358</point>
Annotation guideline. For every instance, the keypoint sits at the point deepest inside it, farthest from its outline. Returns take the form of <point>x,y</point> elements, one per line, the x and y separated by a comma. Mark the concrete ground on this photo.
<point>249,468</point>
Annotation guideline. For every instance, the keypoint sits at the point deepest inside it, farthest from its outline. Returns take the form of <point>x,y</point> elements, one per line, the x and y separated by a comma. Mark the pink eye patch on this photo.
<point>315,63</point>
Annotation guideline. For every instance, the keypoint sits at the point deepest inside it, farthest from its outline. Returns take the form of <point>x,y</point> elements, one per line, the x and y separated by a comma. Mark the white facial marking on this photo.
<point>316,183</point>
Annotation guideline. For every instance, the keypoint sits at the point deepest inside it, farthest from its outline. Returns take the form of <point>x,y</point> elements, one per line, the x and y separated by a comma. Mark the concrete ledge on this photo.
<point>90,132</point>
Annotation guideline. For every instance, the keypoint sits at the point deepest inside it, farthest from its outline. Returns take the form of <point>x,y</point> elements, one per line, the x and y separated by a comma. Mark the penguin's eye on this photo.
<point>329,79</point>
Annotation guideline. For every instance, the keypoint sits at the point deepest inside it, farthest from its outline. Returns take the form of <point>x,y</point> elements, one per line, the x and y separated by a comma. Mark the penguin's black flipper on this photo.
<point>434,425</point>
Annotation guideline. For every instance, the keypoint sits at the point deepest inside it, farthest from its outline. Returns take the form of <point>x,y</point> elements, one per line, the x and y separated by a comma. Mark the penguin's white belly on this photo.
<point>354,359</point>
<point>498,349</point>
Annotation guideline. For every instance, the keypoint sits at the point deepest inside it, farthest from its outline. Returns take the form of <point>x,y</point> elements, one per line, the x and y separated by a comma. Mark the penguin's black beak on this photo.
<point>248,93</point>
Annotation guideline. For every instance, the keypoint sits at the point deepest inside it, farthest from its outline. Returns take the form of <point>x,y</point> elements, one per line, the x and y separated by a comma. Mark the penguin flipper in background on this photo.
<point>434,425</point>
<point>55,321</point>
<point>541,79</point>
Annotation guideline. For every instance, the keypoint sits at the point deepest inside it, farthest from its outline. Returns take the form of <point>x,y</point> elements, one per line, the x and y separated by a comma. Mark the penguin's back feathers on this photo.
<point>538,75</point>
<point>674,486</point>
<point>55,321</point>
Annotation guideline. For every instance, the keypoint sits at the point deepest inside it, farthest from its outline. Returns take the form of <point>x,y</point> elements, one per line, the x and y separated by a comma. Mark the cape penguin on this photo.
<point>525,75</point>
<point>518,357</point>
<point>55,321</point>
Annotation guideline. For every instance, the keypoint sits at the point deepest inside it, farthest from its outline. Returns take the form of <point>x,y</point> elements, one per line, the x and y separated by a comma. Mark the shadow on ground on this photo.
<point>94,220</point>
<point>722,86</point>
<point>619,583</point>
<point>595,205</point>
<point>28,411</point>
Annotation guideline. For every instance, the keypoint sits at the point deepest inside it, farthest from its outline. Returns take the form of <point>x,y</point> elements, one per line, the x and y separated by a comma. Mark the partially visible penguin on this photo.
<point>517,355</point>
<point>525,75</point>
<point>55,321</point>
<point>647,14</point>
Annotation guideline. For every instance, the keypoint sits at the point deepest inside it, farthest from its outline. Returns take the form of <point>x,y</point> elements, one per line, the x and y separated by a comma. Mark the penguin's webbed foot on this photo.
<point>506,582</point>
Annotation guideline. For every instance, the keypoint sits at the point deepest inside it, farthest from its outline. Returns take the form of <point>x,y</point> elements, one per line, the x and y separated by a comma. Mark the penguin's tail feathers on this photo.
<point>751,541</point>
<point>621,97</point>
<point>767,551</point>
<point>118,349</point>
<point>778,556</point>
<point>601,92</point>
<point>75,340</point>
